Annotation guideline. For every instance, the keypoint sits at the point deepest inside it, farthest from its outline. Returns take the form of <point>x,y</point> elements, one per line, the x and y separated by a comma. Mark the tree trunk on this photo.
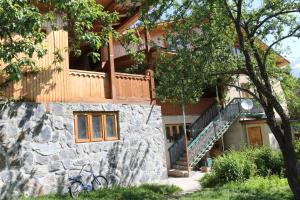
<point>289,157</point>
<point>291,164</point>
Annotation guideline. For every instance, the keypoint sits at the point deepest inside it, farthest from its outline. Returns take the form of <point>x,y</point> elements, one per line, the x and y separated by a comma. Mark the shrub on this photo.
<point>209,180</point>
<point>233,166</point>
<point>268,162</point>
<point>243,164</point>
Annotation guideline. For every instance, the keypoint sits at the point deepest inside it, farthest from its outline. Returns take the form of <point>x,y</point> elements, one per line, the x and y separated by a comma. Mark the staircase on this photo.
<point>206,130</point>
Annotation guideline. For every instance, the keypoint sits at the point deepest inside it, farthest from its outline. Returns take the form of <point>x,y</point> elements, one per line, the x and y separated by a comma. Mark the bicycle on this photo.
<point>77,184</point>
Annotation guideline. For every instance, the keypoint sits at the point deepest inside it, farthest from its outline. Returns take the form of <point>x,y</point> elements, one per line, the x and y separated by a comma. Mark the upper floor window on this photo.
<point>96,126</point>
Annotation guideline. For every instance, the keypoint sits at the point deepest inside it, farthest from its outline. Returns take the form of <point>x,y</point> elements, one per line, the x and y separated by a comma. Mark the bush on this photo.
<point>209,180</point>
<point>268,162</point>
<point>243,164</point>
<point>233,166</point>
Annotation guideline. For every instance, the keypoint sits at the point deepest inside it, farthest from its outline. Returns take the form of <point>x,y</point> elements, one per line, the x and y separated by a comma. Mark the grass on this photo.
<point>255,188</point>
<point>143,192</point>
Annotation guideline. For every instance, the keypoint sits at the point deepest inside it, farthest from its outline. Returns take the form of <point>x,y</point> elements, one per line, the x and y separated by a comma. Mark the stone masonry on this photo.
<point>39,153</point>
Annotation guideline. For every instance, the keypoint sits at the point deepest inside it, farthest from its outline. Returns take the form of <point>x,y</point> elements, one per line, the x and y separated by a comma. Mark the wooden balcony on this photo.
<point>80,86</point>
<point>69,85</point>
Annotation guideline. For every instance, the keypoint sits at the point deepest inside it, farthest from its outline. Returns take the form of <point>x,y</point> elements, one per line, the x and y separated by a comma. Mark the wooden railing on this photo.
<point>79,86</point>
<point>87,86</point>
<point>133,87</point>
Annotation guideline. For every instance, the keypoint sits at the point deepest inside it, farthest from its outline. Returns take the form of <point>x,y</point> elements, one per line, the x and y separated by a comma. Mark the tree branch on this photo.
<point>270,17</point>
<point>291,34</point>
<point>243,89</point>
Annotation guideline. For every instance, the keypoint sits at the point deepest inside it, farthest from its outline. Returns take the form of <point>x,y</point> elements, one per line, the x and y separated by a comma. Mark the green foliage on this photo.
<point>268,162</point>
<point>291,88</point>
<point>147,191</point>
<point>255,188</point>
<point>241,165</point>
<point>233,166</point>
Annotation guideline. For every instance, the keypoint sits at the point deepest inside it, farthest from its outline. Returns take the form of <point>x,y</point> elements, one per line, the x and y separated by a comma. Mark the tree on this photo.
<point>244,24</point>
<point>291,88</point>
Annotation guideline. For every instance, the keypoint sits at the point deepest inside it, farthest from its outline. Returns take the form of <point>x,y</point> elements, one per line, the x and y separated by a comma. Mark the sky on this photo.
<point>292,46</point>
<point>293,55</point>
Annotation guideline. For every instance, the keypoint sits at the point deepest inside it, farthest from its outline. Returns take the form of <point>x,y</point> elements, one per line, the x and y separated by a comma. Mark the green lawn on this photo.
<point>144,192</point>
<point>256,188</point>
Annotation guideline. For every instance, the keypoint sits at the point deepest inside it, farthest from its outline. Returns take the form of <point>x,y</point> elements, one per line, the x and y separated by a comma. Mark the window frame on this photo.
<point>89,126</point>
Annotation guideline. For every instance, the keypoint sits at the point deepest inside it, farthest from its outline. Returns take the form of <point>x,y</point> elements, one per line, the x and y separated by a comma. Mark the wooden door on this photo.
<point>255,136</point>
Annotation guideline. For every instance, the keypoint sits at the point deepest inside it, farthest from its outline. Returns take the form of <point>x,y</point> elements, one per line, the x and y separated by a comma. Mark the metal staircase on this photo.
<point>205,131</point>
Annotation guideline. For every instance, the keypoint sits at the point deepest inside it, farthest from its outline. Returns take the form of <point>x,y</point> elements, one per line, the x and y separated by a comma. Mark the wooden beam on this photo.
<point>112,66</point>
<point>112,6</point>
<point>128,22</point>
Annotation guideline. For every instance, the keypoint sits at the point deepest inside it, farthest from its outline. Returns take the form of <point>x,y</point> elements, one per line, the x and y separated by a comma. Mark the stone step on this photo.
<point>179,167</point>
<point>177,173</point>
<point>183,158</point>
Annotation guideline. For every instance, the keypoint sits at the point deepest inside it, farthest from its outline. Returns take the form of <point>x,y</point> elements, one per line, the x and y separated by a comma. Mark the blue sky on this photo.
<point>293,54</point>
<point>290,48</point>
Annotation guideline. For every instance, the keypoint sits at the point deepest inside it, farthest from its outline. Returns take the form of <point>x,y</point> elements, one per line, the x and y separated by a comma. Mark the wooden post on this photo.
<point>150,73</point>
<point>112,66</point>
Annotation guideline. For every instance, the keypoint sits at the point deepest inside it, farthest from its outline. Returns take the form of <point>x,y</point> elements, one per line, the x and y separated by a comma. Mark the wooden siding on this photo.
<point>169,109</point>
<point>48,85</point>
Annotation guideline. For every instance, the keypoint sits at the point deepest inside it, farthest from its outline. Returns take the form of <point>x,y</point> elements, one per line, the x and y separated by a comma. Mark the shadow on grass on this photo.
<point>143,192</point>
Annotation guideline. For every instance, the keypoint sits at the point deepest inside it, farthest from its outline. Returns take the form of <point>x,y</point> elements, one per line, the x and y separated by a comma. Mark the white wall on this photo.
<point>237,136</point>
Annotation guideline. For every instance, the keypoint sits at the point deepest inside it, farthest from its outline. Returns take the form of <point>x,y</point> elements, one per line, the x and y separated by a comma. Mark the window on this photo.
<point>174,131</point>
<point>96,126</point>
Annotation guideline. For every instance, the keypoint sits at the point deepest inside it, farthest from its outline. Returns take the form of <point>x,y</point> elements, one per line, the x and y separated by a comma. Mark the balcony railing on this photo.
<point>95,86</point>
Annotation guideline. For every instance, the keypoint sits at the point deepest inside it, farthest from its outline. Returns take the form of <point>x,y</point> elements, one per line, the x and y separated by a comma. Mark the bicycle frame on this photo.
<point>78,178</point>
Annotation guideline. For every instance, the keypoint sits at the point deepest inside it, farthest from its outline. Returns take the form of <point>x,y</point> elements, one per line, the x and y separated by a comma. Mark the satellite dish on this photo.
<point>247,104</point>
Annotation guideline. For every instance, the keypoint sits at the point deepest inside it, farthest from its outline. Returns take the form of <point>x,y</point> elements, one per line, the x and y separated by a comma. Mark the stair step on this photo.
<point>177,173</point>
<point>182,163</point>
<point>183,158</point>
<point>180,167</point>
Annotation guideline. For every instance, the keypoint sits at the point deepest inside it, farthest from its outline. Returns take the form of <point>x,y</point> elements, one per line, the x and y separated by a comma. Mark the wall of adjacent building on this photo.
<point>43,152</point>
<point>236,136</point>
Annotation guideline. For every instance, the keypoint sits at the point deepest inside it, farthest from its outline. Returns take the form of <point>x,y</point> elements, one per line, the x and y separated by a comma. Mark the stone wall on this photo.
<point>39,152</point>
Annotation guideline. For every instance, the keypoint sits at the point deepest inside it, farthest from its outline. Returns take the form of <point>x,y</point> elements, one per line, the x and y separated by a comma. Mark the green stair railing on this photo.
<point>206,138</point>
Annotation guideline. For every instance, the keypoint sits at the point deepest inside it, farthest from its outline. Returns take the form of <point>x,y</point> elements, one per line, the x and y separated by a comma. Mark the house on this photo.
<point>111,119</point>
<point>211,131</point>
<point>59,120</point>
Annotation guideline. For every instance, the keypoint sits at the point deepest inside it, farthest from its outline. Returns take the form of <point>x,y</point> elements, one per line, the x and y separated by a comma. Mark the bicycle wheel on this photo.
<point>75,189</point>
<point>99,182</point>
